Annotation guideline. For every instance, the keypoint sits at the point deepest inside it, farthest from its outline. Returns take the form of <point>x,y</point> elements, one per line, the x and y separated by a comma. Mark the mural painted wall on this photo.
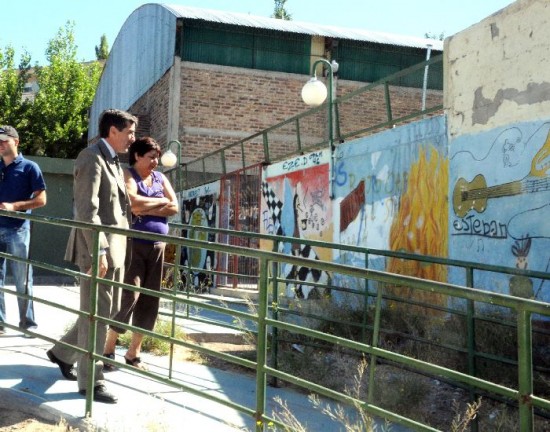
<point>500,204</point>
<point>199,207</point>
<point>391,193</point>
<point>296,203</point>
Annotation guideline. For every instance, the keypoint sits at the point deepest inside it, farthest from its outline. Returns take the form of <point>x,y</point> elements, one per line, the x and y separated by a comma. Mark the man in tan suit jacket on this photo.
<point>100,198</point>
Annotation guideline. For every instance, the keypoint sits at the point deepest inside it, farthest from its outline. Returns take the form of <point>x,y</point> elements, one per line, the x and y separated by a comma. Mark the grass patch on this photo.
<point>154,345</point>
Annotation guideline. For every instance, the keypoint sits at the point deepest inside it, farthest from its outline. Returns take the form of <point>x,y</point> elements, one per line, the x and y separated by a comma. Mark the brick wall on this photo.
<point>220,106</point>
<point>152,110</point>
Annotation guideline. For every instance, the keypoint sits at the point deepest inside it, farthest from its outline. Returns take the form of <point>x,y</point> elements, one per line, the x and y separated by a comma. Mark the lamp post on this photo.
<point>425,81</point>
<point>169,159</point>
<point>314,93</point>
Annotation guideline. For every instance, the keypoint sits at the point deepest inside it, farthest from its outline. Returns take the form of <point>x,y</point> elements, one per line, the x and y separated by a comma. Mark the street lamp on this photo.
<point>425,82</point>
<point>169,159</point>
<point>314,93</point>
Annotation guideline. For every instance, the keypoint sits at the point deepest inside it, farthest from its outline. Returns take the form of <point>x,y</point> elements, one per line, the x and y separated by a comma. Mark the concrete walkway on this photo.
<point>30,382</point>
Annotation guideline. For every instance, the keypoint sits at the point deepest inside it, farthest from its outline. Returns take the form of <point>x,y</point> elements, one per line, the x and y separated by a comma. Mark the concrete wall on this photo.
<point>48,242</point>
<point>296,203</point>
<point>498,99</point>
<point>497,72</point>
<point>199,206</point>
<point>471,185</point>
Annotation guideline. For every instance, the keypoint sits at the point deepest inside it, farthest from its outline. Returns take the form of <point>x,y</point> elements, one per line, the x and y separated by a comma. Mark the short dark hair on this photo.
<point>140,147</point>
<point>117,118</point>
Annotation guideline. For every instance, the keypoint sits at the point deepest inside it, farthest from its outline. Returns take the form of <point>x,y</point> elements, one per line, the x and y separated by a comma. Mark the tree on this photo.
<point>102,51</point>
<point>280,11</point>
<point>431,35</point>
<point>12,82</point>
<point>58,117</point>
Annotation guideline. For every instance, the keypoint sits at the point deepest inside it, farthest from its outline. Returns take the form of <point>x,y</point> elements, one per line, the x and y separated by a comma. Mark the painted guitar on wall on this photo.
<point>475,194</point>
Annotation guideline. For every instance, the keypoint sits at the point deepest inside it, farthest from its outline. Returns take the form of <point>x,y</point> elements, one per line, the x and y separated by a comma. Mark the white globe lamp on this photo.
<point>168,159</point>
<point>314,92</point>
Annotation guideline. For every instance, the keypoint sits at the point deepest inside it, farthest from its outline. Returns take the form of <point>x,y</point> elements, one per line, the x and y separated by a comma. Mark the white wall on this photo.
<point>498,71</point>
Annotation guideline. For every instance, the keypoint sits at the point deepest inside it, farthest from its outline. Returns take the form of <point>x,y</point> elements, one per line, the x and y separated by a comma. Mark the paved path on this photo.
<point>29,380</point>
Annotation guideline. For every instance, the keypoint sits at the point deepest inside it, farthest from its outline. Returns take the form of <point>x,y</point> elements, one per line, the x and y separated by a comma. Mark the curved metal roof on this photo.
<point>301,27</point>
<point>144,49</point>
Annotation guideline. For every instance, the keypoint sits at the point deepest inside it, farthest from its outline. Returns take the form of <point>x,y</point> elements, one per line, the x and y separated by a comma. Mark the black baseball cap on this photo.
<point>7,132</point>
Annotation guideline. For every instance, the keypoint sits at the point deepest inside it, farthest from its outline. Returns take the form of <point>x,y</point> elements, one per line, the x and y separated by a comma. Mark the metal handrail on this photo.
<point>524,309</point>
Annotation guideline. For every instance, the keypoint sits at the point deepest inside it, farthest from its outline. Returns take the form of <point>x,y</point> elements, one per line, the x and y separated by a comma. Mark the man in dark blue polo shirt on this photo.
<point>22,188</point>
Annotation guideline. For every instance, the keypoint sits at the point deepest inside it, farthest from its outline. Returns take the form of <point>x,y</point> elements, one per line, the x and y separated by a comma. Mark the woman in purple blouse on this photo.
<point>152,199</point>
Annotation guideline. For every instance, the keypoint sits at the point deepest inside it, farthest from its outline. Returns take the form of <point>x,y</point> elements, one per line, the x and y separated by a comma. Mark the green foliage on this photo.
<point>12,82</point>
<point>55,123</point>
<point>430,35</point>
<point>102,51</point>
<point>59,119</point>
<point>154,345</point>
<point>280,12</point>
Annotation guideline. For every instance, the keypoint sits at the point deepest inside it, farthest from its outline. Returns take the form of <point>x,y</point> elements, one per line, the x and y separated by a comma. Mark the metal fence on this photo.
<point>270,316</point>
<point>239,211</point>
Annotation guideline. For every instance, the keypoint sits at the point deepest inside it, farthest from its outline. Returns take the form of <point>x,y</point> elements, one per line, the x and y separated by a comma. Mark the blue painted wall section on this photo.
<point>375,203</point>
<point>500,192</point>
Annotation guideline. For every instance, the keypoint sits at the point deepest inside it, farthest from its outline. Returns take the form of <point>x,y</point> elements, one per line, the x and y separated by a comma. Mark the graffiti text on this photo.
<point>475,226</point>
<point>303,161</point>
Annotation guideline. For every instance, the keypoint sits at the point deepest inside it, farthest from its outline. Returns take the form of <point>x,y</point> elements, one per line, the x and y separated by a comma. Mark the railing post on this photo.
<point>261,354</point>
<point>175,286</point>
<point>243,156</point>
<point>471,341</point>
<point>186,174</point>
<point>375,336</point>
<point>525,371</point>
<point>92,323</point>
<point>388,101</point>
<point>298,137</point>
<point>266,148</point>
<point>275,314</point>
<point>365,303</point>
<point>223,163</point>
<point>188,271</point>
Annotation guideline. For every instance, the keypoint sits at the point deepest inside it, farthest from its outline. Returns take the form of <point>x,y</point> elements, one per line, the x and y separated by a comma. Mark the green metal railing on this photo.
<point>308,131</point>
<point>469,269</point>
<point>266,322</point>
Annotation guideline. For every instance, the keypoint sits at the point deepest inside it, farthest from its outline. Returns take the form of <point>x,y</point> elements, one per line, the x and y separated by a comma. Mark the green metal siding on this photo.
<point>253,48</point>
<point>206,42</point>
<point>282,52</point>
<point>365,61</point>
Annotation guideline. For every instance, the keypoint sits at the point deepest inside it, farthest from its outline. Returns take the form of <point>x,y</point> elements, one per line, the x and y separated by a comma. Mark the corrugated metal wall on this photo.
<point>213,43</point>
<point>366,61</point>
<point>141,54</point>
<point>146,44</point>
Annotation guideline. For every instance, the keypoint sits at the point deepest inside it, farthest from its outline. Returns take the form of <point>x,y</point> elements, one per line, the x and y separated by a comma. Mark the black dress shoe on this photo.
<point>67,370</point>
<point>101,394</point>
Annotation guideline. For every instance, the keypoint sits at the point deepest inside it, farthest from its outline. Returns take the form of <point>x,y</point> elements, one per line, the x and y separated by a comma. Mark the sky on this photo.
<point>32,23</point>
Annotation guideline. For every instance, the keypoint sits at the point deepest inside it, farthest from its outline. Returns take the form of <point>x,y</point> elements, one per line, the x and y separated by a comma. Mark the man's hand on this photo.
<point>7,206</point>
<point>103,266</point>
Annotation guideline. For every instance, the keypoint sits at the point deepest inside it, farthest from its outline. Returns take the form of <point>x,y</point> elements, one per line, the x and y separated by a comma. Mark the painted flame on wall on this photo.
<point>421,225</point>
